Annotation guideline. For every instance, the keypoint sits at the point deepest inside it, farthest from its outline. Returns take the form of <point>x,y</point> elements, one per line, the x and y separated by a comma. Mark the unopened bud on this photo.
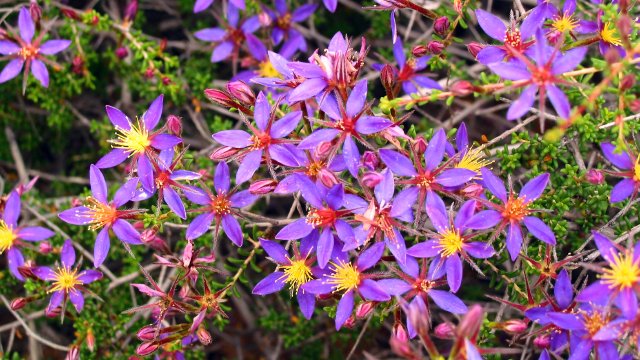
<point>364,309</point>
<point>71,14</point>
<point>542,342</point>
<point>26,269</point>
<point>555,37</point>
<point>19,303</point>
<point>388,78</point>
<point>399,341</point>
<point>147,348</point>
<point>3,34</point>
<point>174,124</point>
<point>441,26</point>
<point>242,92</point>
<point>515,326</point>
<point>435,47</point>
<point>444,331</point>
<point>594,176</point>
<point>73,353</point>
<point>350,323</point>
<point>627,82</point>
<point>370,160</point>
<point>457,6</point>
<point>204,336</point>
<point>612,55</point>
<point>471,322</point>
<point>163,45</point>
<point>45,247</point>
<point>625,25</point>
<point>474,48</point>
<point>419,51</point>
<point>472,190</point>
<point>371,179</point>
<point>91,340</point>
<point>75,202</point>
<point>323,149</point>
<point>131,11</point>
<point>77,65</point>
<point>419,146</point>
<point>462,88</point>
<point>149,73</point>
<point>35,11</point>
<point>147,333</point>
<point>265,19</point>
<point>262,187</point>
<point>220,97</point>
<point>327,177</point>
<point>166,80</point>
<point>634,105</point>
<point>223,153</point>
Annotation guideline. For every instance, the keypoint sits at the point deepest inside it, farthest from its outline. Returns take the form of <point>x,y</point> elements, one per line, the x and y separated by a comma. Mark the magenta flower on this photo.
<point>351,279</point>
<point>138,140</point>
<point>267,139</point>
<point>218,207</point>
<point>630,166</point>
<point>514,211</point>
<point>68,283</point>
<point>12,235</point>
<point>451,242</point>
<point>347,122</point>
<point>99,213</point>
<point>29,53</point>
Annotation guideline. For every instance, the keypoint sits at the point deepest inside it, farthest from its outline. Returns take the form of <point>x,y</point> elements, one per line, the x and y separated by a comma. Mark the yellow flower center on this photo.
<point>564,23</point>
<point>610,35</point>
<point>100,214</point>
<point>623,272</point>
<point>450,242</point>
<point>135,140</point>
<point>515,209</point>
<point>66,280</point>
<point>473,160</point>
<point>594,322</point>
<point>345,277</point>
<point>321,217</point>
<point>314,168</point>
<point>636,170</point>
<point>296,274</point>
<point>7,237</point>
<point>266,69</point>
<point>221,205</point>
<point>28,52</point>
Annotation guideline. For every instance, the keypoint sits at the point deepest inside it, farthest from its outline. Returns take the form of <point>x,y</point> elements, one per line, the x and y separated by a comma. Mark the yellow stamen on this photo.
<point>594,322</point>
<point>296,274</point>
<point>473,160</point>
<point>345,277</point>
<point>564,23</point>
<point>450,242</point>
<point>636,170</point>
<point>135,140</point>
<point>66,280</point>
<point>623,271</point>
<point>610,35</point>
<point>221,205</point>
<point>516,209</point>
<point>100,214</point>
<point>28,52</point>
<point>7,237</point>
<point>266,69</point>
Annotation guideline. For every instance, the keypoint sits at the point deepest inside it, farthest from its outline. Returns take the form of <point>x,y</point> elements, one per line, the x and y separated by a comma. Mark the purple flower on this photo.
<point>351,279</point>
<point>294,271</point>
<point>260,62</point>
<point>418,284</point>
<point>330,5</point>
<point>267,139</point>
<point>467,157</point>
<point>12,235</point>
<point>514,211</point>
<point>619,279</point>
<point>201,5</point>
<point>541,76</point>
<point>566,21</point>
<point>283,22</point>
<point>279,75</point>
<point>29,52</point>
<point>99,213</point>
<point>218,207</point>
<point>347,122</point>
<point>407,75</point>
<point>630,166</point>
<point>136,139</point>
<point>609,36</point>
<point>68,283</point>
<point>450,242</point>
<point>228,40</point>
<point>324,216</point>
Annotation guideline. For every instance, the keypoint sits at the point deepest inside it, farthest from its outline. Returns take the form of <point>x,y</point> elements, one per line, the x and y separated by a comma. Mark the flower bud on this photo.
<point>3,34</point>
<point>73,353</point>
<point>223,153</point>
<point>634,105</point>
<point>594,176</point>
<point>45,247</point>
<point>444,331</point>
<point>71,14</point>
<point>627,82</point>
<point>26,269</point>
<point>166,80</point>
<point>370,160</point>
<point>472,190</point>
<point>612,55</point>
<point>146,333</point>
<point>241,92</point>
<point>131,11</point>
<point>419,51</point>
<point>474,48</point>
<point>542,342</point>
<point>471,322</point>
<point>350,323</point>
<point>75,202</point>
<point>323,149</point>
<point>265,19</point>
<point>220,97</point>
<point>625,25</point>
<point>388,78</point>
<point>327,177</point>
<point>77,65</point>
<point>122,52</point>
<point>555,37</point>
<point>149,73</point>
<point>204,336</point>
<point>147,348</point>
<point>19,303</point>
<point>262,187</point>
<point>441,26</point>
<point>35,11</point>
<point>515,326</point>
<point>419,146</point>
<point>91,340</point>
<point>435,47</point>
<point>371,179</point>
<point>462,88</point>
<point>364,309</point>
<point>399,341</point>
<point>52,313</point>
<point>174,124</point>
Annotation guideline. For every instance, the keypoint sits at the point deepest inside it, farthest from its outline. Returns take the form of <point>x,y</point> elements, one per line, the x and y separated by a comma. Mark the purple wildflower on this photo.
<point>630,166</point>
<point>12,235</point>
<point>283,20</point>
<point>567,22</point>
<point>218,207</point>
<point>29,52</point>
<point>609,36</point>
<point>514,211</point>
<point>201,5</point>
<point>99,213</point>
<point>68,283</point>
<point>352,279</point>
<point>261,64</point>
<point>451,242</point>
<point>330,5</point>
<point>138,140</point>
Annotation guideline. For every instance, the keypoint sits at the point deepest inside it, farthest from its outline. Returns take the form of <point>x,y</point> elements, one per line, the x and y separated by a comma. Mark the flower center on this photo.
<point>162,178</point>
<point>564,23</point>
<point>321,217</point>
<point>221,205</point>
<point>296,274</point>
<point>636,170</point>
<point>344,277</point>
<point>473,160</point>
<point>266,69</point>
<point>101,214</point>
<point>423,285</point>
<point>284,21</point>
<point>450,242</point>
<point>345,125</point>
<point>377,218</point>
<point>28,52</point>
<point>513,38</point>
<point>314,168</point>
<point>135,140</point>
<point>209,301</point>
<point>623,271</point>
<point>610,35</point>
<point>65,280</point>
<point>7,237</point>
<point>424,180</point>
<point>260,141</point>
<point>515,209</point>
<point>542,76</point>
<point>594,322</point>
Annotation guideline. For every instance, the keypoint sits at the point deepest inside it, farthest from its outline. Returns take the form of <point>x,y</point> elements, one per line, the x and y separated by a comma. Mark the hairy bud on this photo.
<point>262,187</point>
<point>474,48</point>
<point>241,92</point>
<point>174,124</point>
<point>220,97</point>
<point>223,153</point>
<point>419,145</point>
<point>435,47</point>
<point>444,331</point>
<point>204,336</point>
<point>515,326</point>
<point>19,303</point>
<point>147,348</point>
<point>364,309</point>
<point>371,179</point>
<point>419,51</point>
<point>35,11</point>
<point>441,26</point>
<point>388,78</point>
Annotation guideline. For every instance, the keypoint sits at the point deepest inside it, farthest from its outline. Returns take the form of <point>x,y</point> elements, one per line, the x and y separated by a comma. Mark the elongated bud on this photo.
<point>77,65</point>
<point>131,11</point>
<point>399,341</point>
<point>147,348</point>
<point>388,78</point>
<point>441,26</point>
<point>350,323</point>
<point>323,149</point>
<point>73,353</point>
<point>627,82</point>
<point>472,190</point>
<point>419,51</point>
<point>146,333</point>
<point>327,177</point>
<point>364,309</point>
<point>242,92</point>
<point>370,160</point>
<point>474,48</point>
<point>634,105</point>
<point>444,331</point>
<point>262,187</point>
<point>71,14</point>
<point>223,153</point>
<point>148,235</point>
<point>542,342</point>
<point>91,340</point>
<point>471,322</point>
<point>371,179</point>
<point>462,88</point>
<point>45,247</point>
<point>419,146</point>
<point>220,97</point>
<point>174,124</point>
<point>19,303</point>
<point>26,269</point>
<point>435,47</point>
<point>515,326</point>
<point>35,11</point>
<point>204,336</point>
<point>594,177</point>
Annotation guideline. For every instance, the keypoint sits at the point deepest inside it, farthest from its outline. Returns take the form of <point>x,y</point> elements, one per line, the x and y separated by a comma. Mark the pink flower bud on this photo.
<point>327,177</point>
<point>91,340</point>
<point>147,236</point>
<point>122,52</point>
<point>204,336</point>
<point>462,88</point>
<point>242,92</point>
<point>71,14</point>
<point>350,323</point>
<point>627,82</point>
<point>441,26</point>
<point>625,25</point>
<point>19,303</point>
<point>323,149</point>
<point>45,247</point>
<point>542,342</point>
<point>77,65</point>
<point>388,78</point>
<point>370,160</point>
<point>399,341</point>
<point>166,80</point>
<point>73,353</point>
<point>634,105</point>
<point>147,348</point>
<point>474,48</point>
<point>419,146</point>
<point>444,331</point>
<point>364,309</point>
<point>131,10</point>
<point>555,36</point>
<point>262,187</point>
<point>419,51</point>
<point>146,333</point>
<point>594,176</point>
<point>76,202</point>
<point>515,326</point>
<point>149,73</point>
<point>223,153</point>
<point>471,322</point>
<point>26,269</point>
<point>472,190</point>
<point>265,19</point>
<point>35,11</point>
<point>220,97</point>
<point>371,179</point>
<point>174,124</point>
<point>435,47</point>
